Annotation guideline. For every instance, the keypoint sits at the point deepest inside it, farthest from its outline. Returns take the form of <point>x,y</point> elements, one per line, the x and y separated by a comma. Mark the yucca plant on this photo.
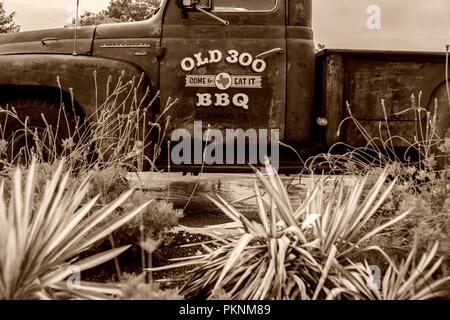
<point>294,251</point>
<point>42,237</point>
<point>112,141</point>
<point>408,281</point>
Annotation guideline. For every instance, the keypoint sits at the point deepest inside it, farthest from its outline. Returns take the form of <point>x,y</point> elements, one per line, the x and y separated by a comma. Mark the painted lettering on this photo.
<point>233,56</point>
<point>204,99</point>
<point>215,56</point>
<point>188,64</point>
<point>239,100</point>
<point>201,62</point>
<point>222,99</point>
<point>259,65</point>
<point>245,59</point>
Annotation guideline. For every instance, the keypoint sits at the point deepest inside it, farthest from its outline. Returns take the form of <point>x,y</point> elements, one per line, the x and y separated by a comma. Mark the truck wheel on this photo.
<point>18,137</point>
<point>442,126</point>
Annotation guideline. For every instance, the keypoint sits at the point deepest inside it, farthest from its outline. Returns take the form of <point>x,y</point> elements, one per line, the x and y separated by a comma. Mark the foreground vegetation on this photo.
<point>63,198</point>
<point>321,249</point>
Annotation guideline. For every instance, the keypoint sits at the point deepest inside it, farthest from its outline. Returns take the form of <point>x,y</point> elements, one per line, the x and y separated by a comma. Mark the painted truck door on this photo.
<point>217,71</point>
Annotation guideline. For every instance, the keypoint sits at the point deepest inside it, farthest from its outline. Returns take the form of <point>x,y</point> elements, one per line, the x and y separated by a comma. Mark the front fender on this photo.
<point>76,73</point>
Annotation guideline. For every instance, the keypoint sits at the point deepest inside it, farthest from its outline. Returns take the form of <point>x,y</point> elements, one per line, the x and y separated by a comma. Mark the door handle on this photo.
<point>45,40</point>
<point>269,53</point>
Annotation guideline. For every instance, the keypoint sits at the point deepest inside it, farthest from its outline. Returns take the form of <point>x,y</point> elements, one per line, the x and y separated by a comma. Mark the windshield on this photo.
<point>244,5</point>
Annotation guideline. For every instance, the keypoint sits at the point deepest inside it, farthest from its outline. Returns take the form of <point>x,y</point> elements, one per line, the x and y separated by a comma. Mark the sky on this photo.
<point>389,24</point>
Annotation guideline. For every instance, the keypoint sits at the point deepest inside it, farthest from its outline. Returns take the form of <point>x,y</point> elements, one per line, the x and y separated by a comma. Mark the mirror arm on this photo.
<point>225,22</point>
<point>183,9</point>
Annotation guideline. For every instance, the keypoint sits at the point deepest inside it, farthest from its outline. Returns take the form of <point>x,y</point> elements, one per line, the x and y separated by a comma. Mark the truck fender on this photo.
<point>90,78</point>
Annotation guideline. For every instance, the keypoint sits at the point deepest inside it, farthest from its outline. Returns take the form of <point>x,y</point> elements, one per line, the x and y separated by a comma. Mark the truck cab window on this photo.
<point>244,5</point>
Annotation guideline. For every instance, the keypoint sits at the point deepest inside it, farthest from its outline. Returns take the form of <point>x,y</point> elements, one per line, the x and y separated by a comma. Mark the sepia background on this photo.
<point>405,24</point>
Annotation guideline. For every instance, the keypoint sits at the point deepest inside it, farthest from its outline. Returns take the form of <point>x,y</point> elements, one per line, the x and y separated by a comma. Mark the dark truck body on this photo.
<point>294,88</point>
<point>364,78</point>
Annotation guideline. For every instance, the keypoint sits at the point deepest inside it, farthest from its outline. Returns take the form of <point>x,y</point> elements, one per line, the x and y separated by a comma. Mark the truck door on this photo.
<point>228,72</point>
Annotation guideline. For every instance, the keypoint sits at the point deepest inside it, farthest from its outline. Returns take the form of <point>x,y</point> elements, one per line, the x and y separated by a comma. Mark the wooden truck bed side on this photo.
<point>364,79</point>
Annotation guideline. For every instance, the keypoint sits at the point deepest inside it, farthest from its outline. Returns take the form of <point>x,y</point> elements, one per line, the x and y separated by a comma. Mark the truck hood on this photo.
<point>142,29</point>
<point>48,41</point>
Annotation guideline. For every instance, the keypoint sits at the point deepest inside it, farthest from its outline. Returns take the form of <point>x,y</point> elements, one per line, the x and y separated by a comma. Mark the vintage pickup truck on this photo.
<point>233,65</point>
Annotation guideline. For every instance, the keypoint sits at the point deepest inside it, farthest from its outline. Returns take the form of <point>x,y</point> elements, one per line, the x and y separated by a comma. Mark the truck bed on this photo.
<point>363,78</point>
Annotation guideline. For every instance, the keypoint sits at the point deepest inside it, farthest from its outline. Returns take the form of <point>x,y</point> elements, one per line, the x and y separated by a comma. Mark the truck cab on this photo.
<point>253,70</point>
<point>232,65</point>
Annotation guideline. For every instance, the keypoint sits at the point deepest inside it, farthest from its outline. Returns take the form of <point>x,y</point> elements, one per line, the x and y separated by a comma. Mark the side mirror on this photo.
<point>191,4</point>
<point>204,6</point>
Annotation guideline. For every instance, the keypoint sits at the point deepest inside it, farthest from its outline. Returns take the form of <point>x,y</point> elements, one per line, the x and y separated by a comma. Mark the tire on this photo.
<point>30,110</point>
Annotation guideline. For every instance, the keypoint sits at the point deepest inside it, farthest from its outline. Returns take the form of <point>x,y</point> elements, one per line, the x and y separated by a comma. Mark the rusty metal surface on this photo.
<point>442,123</point>
<point>75,72</point>
<point>143,29</point>
<point>299,13</point>
<point>367,77</point>
<point>138,43</point>
<point>140,52</point>
<point>368,81</point>
<point>300,90</point>
<point>333,95</point>
<point>184,38</point>
<point>47,41</point>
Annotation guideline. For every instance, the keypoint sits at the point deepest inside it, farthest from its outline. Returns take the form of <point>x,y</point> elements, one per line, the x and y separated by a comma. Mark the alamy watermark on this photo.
<point>374,20</point>
<point>235,147</point>
<point>73,282</point>
<point>374,280</point>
